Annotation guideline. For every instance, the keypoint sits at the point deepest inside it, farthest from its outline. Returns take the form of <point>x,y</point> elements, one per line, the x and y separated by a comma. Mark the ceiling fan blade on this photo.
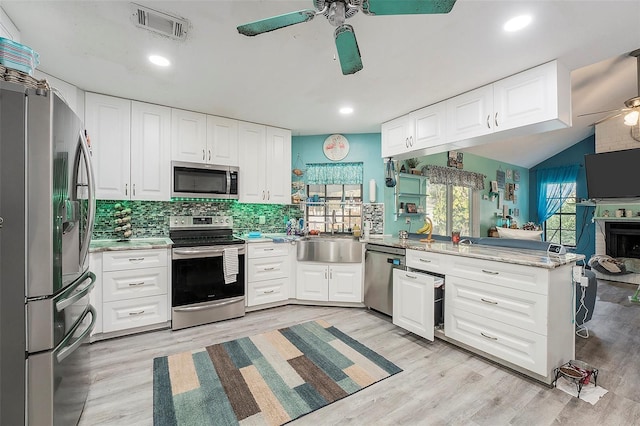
<point>348,52</point>
<point>608,118</point>
<point>276,22</point>
<point>406,7</point>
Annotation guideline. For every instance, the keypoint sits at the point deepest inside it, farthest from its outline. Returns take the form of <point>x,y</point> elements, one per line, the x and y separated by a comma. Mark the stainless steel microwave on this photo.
<point>196,180</point>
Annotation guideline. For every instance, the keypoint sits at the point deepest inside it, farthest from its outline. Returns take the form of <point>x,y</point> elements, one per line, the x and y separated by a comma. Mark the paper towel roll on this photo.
<point>372,191</point>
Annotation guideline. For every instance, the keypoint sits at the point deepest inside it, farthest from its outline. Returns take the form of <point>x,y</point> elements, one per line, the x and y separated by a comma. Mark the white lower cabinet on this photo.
<point>132,289</point>
<point>413,298</point>
<point>268,273</point>
<point>334,282</point>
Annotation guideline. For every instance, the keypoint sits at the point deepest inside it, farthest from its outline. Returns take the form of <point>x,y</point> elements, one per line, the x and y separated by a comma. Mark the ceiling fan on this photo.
<point>337,11</point>
<point>631,110</point>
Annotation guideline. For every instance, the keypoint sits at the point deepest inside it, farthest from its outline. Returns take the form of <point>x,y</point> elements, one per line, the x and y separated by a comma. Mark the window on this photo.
<point>560,228</point>
<point>342,203</point>
<point>450,208</point>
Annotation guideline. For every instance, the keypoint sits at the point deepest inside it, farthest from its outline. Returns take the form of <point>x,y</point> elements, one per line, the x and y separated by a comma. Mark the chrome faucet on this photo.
<point>331,220</point>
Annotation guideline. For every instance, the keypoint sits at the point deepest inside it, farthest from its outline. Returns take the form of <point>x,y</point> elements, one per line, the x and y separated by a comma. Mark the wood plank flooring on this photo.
<point>440,384</point>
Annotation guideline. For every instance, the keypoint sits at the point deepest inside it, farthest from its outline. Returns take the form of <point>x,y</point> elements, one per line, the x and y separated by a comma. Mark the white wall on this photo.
<point>7,28</point>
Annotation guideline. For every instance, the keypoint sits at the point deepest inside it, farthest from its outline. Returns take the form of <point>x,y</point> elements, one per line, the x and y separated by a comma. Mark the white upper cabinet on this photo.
<point>222,141</point>
<point>470,114</point>
<point>533,101</point>
<point>201,138</point>
<point>130,148</point>
<point>265,164</point>
<point>413,134</point>
<point>541,94</point>
<point>108,124</point>
<point>150,152</point>
<point>189,136</point>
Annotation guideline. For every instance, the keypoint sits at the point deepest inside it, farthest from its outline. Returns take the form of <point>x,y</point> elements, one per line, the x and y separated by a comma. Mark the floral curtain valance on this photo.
<point>334,174</point>
<point>449,176</point>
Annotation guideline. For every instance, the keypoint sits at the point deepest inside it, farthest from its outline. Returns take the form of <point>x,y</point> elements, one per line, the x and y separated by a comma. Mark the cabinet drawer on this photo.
<point>133,259</point>
<point>428,261</point>
<point>515,345</point>
<point>262,292</point>
<point>257,250</point>
<point>267,268</point>
<point>131,313</point>
<point>519,277</point>
<point>515,307</point>
<point>120,285</point>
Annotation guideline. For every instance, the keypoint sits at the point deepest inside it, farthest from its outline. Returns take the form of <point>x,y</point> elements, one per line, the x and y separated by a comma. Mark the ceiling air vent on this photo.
<point>159,22</point>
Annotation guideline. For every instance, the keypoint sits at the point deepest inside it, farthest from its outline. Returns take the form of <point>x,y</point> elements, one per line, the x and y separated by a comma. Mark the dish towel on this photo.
<point>230,264</point>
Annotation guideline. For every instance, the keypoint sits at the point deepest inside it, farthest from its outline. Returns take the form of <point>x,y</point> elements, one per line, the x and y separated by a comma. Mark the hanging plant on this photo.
<point>298,169</point>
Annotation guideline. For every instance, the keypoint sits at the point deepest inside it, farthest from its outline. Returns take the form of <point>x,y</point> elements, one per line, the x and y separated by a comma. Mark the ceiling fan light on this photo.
<point>631,118</point>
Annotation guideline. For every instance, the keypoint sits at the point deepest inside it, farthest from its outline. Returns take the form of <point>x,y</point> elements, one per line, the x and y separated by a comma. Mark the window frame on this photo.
<point>473,205</point>
<point>349,204</point>
<point>560,214</point>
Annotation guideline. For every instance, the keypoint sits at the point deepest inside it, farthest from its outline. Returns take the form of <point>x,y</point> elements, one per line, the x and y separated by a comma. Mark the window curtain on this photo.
<point>334,174</point>
<point>456,177</point>
<point>550,193</point>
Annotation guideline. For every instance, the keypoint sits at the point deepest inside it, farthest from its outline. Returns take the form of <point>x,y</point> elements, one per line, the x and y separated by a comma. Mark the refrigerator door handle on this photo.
<point>68,298</point>
<point>91,213</point>
<point>67,346</point>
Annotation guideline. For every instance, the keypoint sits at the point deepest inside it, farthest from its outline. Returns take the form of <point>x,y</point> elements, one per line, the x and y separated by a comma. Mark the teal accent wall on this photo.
<point>585,238</point>
<point>488,208</point>
<point>363,147</point>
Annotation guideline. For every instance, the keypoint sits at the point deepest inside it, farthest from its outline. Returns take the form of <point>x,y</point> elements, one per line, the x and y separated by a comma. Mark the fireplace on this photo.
<point>622,239</point>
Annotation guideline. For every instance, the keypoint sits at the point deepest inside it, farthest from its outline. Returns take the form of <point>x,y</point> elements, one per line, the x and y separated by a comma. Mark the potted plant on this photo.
<point>412,163</point>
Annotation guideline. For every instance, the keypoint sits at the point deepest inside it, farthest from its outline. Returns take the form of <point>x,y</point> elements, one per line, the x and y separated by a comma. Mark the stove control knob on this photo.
<point>226,220</point>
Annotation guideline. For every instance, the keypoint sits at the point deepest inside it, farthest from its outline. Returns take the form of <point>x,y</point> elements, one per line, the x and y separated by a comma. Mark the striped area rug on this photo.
<point>268,379</point>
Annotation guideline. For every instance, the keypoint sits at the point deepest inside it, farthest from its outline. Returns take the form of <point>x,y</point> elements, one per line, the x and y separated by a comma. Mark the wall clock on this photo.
<point>335,147</point>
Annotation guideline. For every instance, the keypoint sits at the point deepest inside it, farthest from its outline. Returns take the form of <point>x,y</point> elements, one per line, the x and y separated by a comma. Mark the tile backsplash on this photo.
<point>151,218</point>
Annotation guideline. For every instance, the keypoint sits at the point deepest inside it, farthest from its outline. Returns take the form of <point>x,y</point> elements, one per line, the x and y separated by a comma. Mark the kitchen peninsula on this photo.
<point>511,305</point>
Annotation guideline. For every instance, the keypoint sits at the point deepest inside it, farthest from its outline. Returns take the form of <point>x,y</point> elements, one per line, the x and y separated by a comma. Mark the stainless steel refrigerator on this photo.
<point>46,218</point>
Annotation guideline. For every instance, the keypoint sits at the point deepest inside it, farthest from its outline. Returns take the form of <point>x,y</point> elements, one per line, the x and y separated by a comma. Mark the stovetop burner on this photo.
<point>197,231</point>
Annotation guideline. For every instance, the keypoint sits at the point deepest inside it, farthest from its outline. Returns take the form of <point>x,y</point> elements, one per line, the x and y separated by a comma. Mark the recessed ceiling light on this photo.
<point>160,61</point>
<point>346,110</point>
<point>517,23</point>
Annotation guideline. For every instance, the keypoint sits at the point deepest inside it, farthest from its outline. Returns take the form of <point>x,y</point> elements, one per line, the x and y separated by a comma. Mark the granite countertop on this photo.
<point>132,244</point>
<point>270,238</point>
<point>536,258</point>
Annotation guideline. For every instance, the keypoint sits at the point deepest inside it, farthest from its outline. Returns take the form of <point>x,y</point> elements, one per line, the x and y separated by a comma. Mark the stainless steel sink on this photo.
<point>329,249</point>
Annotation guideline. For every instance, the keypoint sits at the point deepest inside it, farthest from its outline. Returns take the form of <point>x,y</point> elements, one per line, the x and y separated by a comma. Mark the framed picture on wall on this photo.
<point>516,176</point>
<point>411,208</point>
<point>509,174</point>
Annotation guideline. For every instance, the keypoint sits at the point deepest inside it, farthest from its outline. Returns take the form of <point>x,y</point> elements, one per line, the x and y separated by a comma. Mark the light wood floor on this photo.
<point>440,384</point>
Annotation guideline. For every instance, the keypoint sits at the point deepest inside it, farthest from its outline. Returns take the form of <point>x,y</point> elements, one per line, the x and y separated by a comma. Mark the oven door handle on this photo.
<point>210,305</point>
<point>195,253</point>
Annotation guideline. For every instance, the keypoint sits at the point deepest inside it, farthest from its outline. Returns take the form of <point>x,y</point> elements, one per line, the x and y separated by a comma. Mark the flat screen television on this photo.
<point>613,174</point>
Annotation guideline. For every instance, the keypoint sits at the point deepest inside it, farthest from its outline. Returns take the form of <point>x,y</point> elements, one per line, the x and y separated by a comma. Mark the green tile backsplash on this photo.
<point>151,218</point>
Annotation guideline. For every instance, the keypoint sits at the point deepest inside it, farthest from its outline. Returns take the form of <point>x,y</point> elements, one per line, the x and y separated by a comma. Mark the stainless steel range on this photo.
<point>205,256</point>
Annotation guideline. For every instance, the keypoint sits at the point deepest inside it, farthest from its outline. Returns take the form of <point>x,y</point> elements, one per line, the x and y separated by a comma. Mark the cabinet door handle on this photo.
<point>126,189</point>
<point>268,195</point>
<point>209,155</point>
<point>136,259</point>
<point>134,189</point>
<point>495,120</point>
<point>203,157</point>
<point>268,249</point>
<point>325,275</point>
<point>411,140</point>
<point>425,260</point>
<point>413,277</point>
<point>406,142</point>
<point>331,274</point>
<point>488,117</point>
<point>268,291</point>
<point>488,337</point>
<point>136,284</point>
<point>263,195</point>
<point>136,313</point>
<point>491,302</point>
<point>490,272</point>
<point>268,269</point>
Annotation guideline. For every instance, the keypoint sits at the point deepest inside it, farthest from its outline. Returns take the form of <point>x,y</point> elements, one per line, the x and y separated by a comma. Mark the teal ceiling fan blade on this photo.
<point>406,7</point>
<point>276,22</point>
<point>348,52</point>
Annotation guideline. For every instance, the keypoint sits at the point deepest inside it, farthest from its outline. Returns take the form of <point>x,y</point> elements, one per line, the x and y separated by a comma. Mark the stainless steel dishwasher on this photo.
<point>379,263</point>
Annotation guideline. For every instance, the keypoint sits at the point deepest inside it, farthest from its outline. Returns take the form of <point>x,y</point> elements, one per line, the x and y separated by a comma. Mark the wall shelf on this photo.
<point>411,189</point>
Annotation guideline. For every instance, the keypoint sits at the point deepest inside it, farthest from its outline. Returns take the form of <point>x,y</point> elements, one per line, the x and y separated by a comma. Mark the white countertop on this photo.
<point>132,244</point>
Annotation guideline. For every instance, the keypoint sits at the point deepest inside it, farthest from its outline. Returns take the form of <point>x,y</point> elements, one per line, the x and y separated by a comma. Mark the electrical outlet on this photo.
<point>577,273</point>
<point>262,220</point>
<point>584,281</point>
<point>407,221</point>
